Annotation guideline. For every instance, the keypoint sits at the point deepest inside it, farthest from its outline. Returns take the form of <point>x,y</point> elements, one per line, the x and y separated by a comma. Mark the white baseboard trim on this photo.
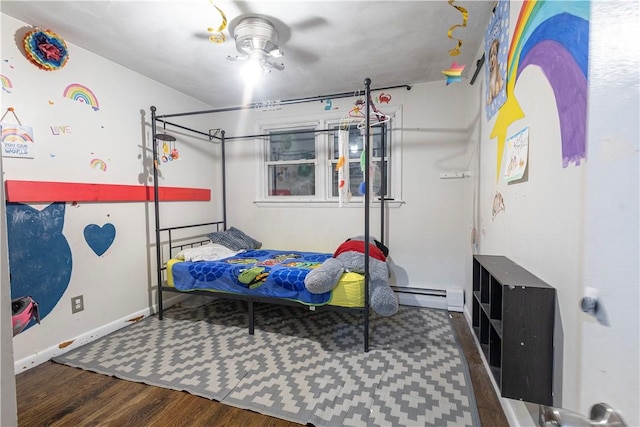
<point>429,301</point>
<point>455,300</point>
<point>449,299</point>
<point>51,352</point>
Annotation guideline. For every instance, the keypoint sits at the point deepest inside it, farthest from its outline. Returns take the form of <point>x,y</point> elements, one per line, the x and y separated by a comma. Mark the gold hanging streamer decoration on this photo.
<point>465,15</point>
<point>218,36</point>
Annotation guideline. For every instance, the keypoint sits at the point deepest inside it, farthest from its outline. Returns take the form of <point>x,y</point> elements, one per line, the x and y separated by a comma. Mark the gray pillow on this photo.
<point>245,238</point>
<point>225,239</point>
<point>234,239</point>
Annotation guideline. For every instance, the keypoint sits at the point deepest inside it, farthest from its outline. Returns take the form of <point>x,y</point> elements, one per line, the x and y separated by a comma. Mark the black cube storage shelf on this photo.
<point>513,316</point>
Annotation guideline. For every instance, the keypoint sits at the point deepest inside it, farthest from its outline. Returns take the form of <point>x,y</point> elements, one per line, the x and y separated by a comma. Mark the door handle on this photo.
<point>602,415</point>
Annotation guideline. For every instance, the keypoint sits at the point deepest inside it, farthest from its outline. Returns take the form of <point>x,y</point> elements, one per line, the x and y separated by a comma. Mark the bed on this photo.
<point>260,273</point>
<point>253,273</point>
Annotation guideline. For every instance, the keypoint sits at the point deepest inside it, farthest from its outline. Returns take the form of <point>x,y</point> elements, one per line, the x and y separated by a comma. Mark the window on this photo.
<point>377,160</point>
<point>291,163</point>
<point>300,161</point>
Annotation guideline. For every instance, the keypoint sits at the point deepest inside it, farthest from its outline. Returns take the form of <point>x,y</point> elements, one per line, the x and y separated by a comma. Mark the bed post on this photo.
<point>224,182</point>
<point>252,319</point>
<point>365,146</point>
<point>156,207</point>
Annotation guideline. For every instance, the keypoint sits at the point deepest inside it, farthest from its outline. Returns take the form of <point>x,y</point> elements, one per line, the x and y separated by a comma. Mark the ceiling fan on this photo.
<point>257,41</point>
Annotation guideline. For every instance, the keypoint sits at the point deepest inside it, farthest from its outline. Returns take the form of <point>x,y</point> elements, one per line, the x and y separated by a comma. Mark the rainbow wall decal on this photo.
<point>99,164</point>
<point>6,83</point>
<point>81,93</point>
<point>553,35</point>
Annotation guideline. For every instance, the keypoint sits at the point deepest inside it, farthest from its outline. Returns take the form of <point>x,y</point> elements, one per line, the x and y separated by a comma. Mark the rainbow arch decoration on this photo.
<point>16,134</point>
<point>553,35</point>
<point>17,141</point>
<point>6,83</point>
<point>98,164</point>
<point>81,93</point>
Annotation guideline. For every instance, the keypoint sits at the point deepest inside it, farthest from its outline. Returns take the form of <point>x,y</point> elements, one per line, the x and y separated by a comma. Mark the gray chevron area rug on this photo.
<point>300,365</point>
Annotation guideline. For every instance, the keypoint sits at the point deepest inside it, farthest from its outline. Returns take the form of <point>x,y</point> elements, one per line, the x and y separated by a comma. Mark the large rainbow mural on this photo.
<point>554,35</point>
<point>81,93</point>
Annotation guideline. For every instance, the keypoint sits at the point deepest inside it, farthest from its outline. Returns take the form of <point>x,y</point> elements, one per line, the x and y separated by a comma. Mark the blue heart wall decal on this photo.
<point>99,238</point>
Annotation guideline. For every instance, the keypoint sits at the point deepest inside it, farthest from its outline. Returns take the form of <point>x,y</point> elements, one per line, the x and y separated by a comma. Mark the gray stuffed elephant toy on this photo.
<point>350,257</point>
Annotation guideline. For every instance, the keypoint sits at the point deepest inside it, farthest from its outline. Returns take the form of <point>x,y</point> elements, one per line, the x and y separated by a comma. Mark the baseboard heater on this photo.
<point>445,299</point>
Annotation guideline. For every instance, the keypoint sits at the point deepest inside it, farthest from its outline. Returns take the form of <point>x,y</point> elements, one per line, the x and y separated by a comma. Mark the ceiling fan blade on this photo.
<point>309,23</point>
<point>243,7</point>
<point>301,54</point>
<point>201,35</point>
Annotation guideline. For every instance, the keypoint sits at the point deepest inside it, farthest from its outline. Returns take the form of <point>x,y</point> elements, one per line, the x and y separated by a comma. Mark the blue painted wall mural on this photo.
<point>40,259</point>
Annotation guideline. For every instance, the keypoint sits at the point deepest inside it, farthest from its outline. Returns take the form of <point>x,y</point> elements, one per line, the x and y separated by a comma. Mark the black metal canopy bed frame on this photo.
<point>173,244</point>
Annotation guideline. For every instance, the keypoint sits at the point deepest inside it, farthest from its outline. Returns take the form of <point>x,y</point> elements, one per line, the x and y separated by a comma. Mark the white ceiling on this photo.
<point>329,46</point>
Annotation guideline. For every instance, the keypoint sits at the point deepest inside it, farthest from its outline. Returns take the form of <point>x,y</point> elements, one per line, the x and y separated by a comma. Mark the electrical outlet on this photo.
<point>77,304</point>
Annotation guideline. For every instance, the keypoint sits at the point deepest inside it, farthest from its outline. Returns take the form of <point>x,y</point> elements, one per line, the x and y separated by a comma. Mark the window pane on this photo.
<point>287,146</point>
<point>355,142</point>
<point>376,131</point>
<point>292,180</point>
<point>356,176</point>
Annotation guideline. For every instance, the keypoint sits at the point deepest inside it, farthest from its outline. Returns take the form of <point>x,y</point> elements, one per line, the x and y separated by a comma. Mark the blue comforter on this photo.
<point>260,272</point>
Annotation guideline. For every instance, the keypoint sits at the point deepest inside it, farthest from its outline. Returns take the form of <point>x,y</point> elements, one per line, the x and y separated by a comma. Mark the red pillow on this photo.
<point>358,246</point>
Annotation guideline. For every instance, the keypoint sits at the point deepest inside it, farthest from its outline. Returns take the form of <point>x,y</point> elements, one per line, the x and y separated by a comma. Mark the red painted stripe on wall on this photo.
<point>44,191</point>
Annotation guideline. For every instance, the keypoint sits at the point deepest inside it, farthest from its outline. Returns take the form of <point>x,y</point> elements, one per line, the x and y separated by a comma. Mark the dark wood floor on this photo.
<point>489,407</point>
<point>55,395</point>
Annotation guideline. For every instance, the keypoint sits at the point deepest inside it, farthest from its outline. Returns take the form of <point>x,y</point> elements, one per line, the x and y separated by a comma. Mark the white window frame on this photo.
<point>323,178</point>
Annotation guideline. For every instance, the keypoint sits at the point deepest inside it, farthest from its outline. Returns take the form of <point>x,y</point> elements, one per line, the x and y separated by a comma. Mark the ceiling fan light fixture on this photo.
<point>276,53</point>
<point>251,72</point>
<point>257,41</point>
<point>254,68</point>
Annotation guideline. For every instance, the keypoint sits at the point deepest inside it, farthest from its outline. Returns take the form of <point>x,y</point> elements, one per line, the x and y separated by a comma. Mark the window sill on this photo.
<point>299,203</point>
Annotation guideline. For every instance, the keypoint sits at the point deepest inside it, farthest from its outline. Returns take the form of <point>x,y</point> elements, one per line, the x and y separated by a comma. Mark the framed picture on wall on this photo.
<point>496,55</point>
<point>17,141</point>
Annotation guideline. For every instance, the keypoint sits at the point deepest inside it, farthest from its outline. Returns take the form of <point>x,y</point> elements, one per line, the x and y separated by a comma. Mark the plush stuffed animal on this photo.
<point>350,257</point>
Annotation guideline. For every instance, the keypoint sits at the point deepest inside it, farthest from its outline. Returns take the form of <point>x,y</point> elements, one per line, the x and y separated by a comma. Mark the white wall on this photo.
<point>575,226</point>
<point>118,284</point>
